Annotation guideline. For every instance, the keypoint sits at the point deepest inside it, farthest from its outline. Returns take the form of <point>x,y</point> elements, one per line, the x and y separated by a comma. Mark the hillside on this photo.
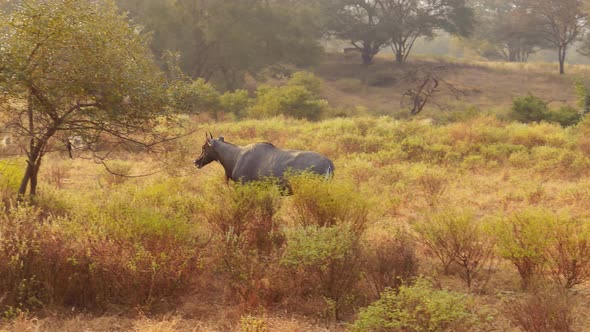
<point>489,86</point>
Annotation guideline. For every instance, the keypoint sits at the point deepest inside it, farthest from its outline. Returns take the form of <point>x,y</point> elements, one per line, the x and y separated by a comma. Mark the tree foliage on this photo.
<point>506,30</point>
<point>76,67</point>
<point>561,23</point>
<point>224,40</point>
<point>371,25</point>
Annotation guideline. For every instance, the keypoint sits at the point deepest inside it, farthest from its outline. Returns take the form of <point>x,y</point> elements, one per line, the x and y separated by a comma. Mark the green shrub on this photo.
<point>11,174</point>
<point>529,109</point>
<point>308,80</point>
<point>419,308</point>
<point>193,97</point>
<point>323,251</point>
<point>523,238</point>
<point>565,115</point>
<point>292,100</point>
<point>324,261</point>
<point>236,102</point>
<point>533,109</point>
<point>568,256</point>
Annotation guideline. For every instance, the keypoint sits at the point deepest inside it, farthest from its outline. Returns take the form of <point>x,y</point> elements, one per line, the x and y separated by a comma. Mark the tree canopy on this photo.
<point>75,67</point>
<point>223,40</point>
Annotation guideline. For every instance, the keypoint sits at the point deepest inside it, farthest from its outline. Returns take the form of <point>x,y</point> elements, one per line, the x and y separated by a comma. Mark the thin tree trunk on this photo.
<point>367,54</point>
<point>561,54</point>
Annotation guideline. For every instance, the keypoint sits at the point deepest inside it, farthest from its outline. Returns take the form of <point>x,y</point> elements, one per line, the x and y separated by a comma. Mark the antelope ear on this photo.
<point>221,138</point>
<point>209,142</point>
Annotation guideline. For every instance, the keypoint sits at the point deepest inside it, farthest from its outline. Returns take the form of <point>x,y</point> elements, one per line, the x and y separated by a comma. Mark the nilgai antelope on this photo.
<point>259,161</point>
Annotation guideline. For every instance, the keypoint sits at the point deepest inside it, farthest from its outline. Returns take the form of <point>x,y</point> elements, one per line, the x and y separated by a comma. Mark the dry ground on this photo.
<point>486,85</point>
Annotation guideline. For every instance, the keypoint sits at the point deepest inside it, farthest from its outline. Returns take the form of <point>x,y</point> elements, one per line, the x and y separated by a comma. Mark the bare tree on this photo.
<point>428,82</point>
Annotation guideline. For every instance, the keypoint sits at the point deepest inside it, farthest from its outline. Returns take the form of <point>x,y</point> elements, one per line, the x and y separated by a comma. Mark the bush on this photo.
<point>390,261</point>
<point>545,309</point>
<point>457,238</point>
<point>419,308</point>
<point>529,109</point>
<point>565,115</point>
<point>308,80</point>
<point>325,204</point>
<point>236,102</point>
<point>533,109</point>
<point>523,239</point>
<point>568,256</point>
<point>323,251</point>
<point>247,237</point>
<point>292,100</point>
<point>324,261</point>
<point>194,97</point>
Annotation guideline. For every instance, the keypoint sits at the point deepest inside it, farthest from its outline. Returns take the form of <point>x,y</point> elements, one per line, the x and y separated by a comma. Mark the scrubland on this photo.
<point>488,217</point>
<point>470,222</point>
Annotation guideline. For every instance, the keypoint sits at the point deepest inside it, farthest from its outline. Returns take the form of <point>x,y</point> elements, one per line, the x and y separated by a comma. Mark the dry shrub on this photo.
<point>247,239</point>
<point>545,309</point>
<point>91,261</point>
<point>134,272</point>
<point>458,239</point>
<point>568,257</point>
<point>390,261</point>
<point>323,254</point>
<point>433,183</point>
<point>319,203</point>
<point>115,173</point>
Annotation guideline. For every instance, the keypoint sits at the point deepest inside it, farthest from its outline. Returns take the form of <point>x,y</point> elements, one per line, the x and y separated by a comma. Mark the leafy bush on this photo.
<point>568,256</point>
<point>236,102</point>
<point>320,203</point>
<point>299,98</point>
<point>533,109</point>
<point>565,115</point>
<point>529,109</point>
<point>419,308</point>
<point>324,261</point>
<point>308,80</point>
<point>193,97</point>
<point>12,174</point>
<point>523,239</point>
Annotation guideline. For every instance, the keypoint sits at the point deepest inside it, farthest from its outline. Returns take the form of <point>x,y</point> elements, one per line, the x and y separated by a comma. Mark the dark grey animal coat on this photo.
<point>261,160</point>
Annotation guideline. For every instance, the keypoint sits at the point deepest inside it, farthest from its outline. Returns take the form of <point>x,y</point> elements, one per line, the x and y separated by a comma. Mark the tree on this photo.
<point>221,41</point>
<point>360,22</point>
<point>561,22</point>
<point>407,20</point>
<point>506,30</point>
<point>76,67</point>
